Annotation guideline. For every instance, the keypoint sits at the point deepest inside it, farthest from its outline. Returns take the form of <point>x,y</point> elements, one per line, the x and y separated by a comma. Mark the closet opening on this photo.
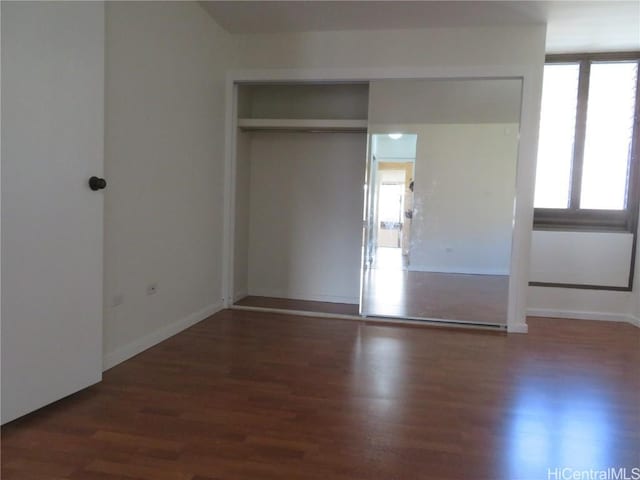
<point>385,199</point>
<point>299,174</point>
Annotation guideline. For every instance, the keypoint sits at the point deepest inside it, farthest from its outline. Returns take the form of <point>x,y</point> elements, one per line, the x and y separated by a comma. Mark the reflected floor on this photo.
<point>392,290</point>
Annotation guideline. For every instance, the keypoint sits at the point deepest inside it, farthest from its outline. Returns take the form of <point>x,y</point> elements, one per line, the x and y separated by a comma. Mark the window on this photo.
<point>587,151</point>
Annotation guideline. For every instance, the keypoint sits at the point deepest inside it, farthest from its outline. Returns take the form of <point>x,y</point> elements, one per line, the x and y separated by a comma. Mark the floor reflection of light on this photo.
<point>549,429</point>
<point>585,431</point>
<point>531,431</point>
<point>385,362</point>
<point>378,386</point>
<point>379,367</point>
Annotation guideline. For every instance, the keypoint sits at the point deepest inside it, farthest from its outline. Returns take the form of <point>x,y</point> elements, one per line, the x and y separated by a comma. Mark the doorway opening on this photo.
<point>390,215</point>
<point>393,215</point>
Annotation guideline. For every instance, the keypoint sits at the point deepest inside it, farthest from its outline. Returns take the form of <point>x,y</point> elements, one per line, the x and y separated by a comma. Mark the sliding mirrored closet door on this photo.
<point>440,196</point>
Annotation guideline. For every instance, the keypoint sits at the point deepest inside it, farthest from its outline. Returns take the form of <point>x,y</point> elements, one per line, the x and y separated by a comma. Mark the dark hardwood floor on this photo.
<point>248,395</point>
<point>299,305</point>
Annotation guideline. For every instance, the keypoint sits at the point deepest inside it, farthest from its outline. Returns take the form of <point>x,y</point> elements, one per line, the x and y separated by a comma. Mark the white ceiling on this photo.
<point>572,25</point>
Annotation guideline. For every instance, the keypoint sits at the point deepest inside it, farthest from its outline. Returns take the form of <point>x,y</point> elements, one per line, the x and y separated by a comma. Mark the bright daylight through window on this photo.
<point>587,155</point>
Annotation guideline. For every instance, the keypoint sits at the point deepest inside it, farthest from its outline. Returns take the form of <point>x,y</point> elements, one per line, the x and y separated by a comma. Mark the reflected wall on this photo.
<point>456,142</point>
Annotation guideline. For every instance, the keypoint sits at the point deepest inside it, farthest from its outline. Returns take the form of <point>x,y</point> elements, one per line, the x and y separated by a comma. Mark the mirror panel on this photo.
<point>441,187</point>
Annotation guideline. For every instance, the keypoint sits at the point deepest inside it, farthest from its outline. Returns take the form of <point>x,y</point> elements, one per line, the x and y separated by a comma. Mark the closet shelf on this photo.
<point>305,124</point>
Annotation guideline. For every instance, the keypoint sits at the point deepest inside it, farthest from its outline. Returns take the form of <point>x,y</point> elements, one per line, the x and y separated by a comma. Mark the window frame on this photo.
<point>575,218</point>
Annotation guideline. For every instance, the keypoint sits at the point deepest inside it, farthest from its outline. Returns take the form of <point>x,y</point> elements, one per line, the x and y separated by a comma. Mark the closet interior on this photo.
<point>299,172</point>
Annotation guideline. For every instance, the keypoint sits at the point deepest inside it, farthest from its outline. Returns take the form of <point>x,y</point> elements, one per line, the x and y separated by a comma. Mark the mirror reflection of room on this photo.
<point>442,163</point>
<point>393,160</point>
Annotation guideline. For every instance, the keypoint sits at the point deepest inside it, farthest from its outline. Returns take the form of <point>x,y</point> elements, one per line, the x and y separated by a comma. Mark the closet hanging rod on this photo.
<point>314,125</point>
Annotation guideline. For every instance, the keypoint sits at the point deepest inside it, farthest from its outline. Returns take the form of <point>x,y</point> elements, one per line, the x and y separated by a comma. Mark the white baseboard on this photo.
<point>634,321</point>
<point>517,328</point>
<point>303,296</point>
<point>582,315</point>
<point>140,345</point>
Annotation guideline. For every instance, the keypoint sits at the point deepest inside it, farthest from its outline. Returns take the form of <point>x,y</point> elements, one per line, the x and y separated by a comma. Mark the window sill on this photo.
<point>582,228</point>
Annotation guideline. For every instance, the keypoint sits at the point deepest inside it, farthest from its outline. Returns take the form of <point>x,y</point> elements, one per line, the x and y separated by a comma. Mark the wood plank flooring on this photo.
<point>248,395</point>
<point>299,305</point>
<point>453,296</point>
<point>404,294</point>
<point>391,289</point>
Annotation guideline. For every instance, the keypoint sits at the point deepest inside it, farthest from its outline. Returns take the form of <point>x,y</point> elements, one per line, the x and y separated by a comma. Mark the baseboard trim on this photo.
<point>635,321</point>
<point>140,345</point>
<point>517,328</point>
<point>584,315</point>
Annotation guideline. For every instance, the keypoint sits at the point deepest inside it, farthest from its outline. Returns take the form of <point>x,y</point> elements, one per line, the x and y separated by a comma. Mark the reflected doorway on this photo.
<point>391,200</point>
<point>390,214</point>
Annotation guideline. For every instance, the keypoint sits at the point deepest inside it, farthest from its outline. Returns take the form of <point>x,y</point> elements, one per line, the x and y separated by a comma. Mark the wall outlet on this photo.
<point>118,299</point>
<point>152,288</point>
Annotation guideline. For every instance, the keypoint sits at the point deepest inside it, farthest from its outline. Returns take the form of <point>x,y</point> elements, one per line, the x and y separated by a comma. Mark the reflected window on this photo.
<point>586,145</point>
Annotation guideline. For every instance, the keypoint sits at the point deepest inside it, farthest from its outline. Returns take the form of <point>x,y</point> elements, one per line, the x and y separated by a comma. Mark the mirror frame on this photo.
<point>386,128</point>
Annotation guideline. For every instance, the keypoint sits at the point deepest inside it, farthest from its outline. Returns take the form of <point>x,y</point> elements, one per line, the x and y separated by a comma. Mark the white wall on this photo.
<point>584,258</point>
<point>305,228</point>
<point>446,101</point>
<point>329,101</point>
<point>465,172</point>
<point>578,303</point>
<point>611,258</point>
<point>165,64</point>
<point>436,47</point>
<point>463,198</point>
<point>444,52</point>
